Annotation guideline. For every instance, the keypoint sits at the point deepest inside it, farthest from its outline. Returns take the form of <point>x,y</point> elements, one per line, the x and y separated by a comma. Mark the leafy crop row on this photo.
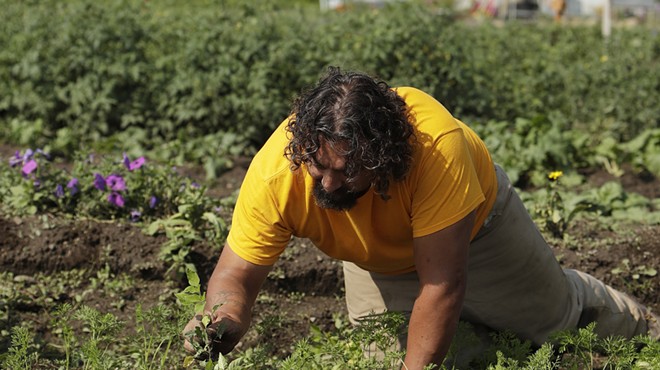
<point>88,69</point>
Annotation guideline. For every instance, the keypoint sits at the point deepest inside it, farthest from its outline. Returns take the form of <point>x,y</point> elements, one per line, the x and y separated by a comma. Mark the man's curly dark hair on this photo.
<point>370,121</point>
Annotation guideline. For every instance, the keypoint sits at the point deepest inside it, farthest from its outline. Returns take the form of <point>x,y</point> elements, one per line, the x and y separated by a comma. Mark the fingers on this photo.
<point>221,340</point>
<point>214,338</point>
<point>189,333</point>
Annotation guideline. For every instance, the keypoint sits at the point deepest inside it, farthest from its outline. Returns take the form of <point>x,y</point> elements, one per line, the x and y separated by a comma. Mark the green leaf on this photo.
<point>187,299</point>
<point>222,363</point>
<point>191,274</point>
<point>648,271</point>
<point>154,227</point>
<point>188,361</point>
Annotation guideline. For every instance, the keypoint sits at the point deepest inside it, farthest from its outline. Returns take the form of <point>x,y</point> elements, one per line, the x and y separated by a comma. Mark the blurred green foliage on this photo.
<point>164,71</point>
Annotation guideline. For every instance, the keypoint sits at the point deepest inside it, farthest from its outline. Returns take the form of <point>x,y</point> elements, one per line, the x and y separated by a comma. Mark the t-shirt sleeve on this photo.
<point>257,233</point>
<point>448,187</point>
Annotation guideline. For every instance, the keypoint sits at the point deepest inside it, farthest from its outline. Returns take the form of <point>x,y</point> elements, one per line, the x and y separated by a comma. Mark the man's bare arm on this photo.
<point>232,290</point>
<point>441,262</point>
<point>235,283</point>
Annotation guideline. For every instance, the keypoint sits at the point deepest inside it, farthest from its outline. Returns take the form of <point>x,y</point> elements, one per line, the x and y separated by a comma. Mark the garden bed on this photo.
<point>118,267</point>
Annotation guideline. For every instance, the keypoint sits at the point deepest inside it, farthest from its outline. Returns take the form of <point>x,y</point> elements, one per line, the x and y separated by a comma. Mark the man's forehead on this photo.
<point>329,155</point>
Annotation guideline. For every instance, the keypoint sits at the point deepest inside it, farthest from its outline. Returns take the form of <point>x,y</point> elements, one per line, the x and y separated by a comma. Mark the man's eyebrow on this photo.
<point>316,163</point>
<point>320,166</point>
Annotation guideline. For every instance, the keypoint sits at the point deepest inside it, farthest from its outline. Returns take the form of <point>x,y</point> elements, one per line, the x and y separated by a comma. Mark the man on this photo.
<point>408,196</point>
<point>558,8</point>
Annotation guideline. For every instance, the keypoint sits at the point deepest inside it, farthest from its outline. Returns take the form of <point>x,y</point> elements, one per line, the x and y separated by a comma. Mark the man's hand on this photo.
<point>220,336</point>
<point>232,290</point>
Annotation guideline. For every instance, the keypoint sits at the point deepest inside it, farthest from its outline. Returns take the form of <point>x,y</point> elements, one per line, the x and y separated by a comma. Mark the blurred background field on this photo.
<point>168,79</point>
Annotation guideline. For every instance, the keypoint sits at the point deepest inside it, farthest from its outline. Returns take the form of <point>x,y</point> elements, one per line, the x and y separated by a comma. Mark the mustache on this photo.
<point>341,199</point>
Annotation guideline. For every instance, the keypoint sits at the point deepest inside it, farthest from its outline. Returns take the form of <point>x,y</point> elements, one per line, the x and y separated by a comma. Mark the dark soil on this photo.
<point>306,286</point>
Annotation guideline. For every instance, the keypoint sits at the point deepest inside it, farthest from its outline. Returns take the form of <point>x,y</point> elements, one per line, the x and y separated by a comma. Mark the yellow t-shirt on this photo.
<point>452,174</point>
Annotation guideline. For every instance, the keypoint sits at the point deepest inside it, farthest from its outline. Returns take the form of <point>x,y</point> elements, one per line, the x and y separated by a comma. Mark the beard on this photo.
<point>341,199</point>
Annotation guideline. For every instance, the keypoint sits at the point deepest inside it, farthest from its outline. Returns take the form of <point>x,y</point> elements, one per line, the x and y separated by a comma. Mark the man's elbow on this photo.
<point>448,292</point>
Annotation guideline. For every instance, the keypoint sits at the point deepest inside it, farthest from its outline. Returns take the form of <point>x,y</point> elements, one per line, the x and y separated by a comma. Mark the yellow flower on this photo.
<point>603,58</point>
<point>554,175</point>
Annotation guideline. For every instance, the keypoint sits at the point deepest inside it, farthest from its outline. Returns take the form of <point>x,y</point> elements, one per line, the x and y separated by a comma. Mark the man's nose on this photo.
<point>330,183</point>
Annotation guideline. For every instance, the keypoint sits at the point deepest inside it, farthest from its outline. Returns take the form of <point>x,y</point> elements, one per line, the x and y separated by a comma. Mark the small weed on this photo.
<point>21,355</point>
<point>65,332</point>
<point>556,213</point>
<point>637,279</point>
<point>102,330</point>
<point>156,332</point>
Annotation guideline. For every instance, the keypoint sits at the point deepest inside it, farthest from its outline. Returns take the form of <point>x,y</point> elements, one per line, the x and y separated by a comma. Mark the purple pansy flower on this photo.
<point>116,199</point>
<point>28,155</point>
<point>135,215</point>
<point>134,165</point>
<point>16,159</point>
<point>73,186</point>
<point>153,201</point>
<point>115,182</point>
<point>99,181</point>
<point>137,164</point>
<point>59,191</point>
<point>29,167</point>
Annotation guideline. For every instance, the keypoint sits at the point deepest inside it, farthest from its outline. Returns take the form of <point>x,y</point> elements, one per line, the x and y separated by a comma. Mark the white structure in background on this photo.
<point>592,8</point>
<point>330,4</point>
<point>336,4</point>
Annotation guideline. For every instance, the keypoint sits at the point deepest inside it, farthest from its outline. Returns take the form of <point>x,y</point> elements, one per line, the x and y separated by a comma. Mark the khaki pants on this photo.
<point>514,282</point>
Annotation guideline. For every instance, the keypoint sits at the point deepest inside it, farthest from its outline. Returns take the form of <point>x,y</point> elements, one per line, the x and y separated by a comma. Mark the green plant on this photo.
<point>558,208</point>
<point>60,321</point>
<point>644,151</point>
<point>544,358</point>
<point>620,353</point>
<point>635,278</point>
<point>510,346</point>
<point>581,345</point>
<point>466,349</point>
<point>192,297</point>
<point>133,190</point>
<point>610,199</point>
<point>526,147</point>
<point>553,213</point>
<point>156,332</point>
<point>158,74</point>
<point>649,355</point>
<point>200,338</point>
<point>102,328</point>
<point>21,356</point>
<point>90,339</point>
<point>345,347</point>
